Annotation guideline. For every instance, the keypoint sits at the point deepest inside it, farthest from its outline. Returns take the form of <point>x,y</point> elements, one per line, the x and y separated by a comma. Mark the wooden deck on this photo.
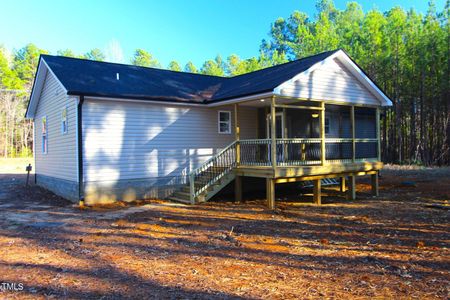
<point>332,170</point>
<point>281,174</point>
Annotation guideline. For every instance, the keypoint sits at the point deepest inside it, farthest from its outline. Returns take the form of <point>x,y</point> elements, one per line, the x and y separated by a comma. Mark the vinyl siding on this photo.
<point>332,81</point>
<point>129,140</point>
<point>60,161</point>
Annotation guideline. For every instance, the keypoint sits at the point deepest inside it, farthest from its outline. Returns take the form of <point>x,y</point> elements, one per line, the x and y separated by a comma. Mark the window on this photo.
<point>224,123</point>
<point>64,124</point>
<point>327,125</point>
<point>44,135</point>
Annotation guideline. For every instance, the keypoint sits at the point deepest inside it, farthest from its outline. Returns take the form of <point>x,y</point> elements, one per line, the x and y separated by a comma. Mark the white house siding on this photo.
<point>331,81</point>
<point>56,169</point>
<point>130,144</point>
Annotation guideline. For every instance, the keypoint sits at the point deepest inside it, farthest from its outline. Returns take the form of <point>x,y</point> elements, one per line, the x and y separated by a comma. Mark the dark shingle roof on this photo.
<point>92,78</point>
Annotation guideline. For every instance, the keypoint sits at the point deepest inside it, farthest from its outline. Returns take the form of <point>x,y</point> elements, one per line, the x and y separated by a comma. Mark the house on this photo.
<point>106,132</point>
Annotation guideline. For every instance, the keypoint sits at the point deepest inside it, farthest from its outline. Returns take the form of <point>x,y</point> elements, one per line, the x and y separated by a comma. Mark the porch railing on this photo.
<point>306,151</point>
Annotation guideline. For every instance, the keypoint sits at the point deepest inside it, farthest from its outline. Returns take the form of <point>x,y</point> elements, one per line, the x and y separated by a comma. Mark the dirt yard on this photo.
<point>394,246</point>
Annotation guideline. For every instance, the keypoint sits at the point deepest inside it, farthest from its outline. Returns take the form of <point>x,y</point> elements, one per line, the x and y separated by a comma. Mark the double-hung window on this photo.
<point>44,135</point>
<point>224,122</point>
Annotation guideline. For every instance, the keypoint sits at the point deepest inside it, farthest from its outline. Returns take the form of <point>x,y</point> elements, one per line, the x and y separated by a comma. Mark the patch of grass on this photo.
<point>15,165</point>
<point>416,171</point>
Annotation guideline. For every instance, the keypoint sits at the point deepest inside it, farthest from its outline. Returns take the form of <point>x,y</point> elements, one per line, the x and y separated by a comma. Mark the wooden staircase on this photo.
<point>209,179</point>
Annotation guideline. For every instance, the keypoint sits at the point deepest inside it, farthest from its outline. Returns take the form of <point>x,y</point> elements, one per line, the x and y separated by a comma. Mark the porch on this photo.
<point>296,140</point>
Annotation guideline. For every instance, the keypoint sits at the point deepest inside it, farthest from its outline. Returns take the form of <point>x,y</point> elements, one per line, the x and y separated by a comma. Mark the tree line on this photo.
<point>405,52</point>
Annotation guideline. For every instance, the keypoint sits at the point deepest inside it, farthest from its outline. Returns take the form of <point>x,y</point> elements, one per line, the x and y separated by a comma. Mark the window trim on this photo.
<point>66,121</point>
<point>44,150</point>
<point>225,122</point>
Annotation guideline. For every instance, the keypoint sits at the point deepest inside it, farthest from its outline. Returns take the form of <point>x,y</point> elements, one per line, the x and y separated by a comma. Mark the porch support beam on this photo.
<point>192,188</point>
<point>237,132</point>
<point>270,191</point>
<point>273,133</point>
<point>328,101</point>
<point>322,133</point>
<point>314,177</point>
<point>238,189</point>
<point>377,116</point>
<point>342,184</point>
<point>298,106</point>
<point>351,193</point>
<point>352,119</point>
<point>317,192</point>
<point>374,180</point>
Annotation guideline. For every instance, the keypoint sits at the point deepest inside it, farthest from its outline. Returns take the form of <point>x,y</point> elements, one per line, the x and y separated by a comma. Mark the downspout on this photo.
<point>80,151</point>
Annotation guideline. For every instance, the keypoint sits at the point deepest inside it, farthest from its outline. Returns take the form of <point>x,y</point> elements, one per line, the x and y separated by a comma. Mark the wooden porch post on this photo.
<point>273,133</point>
<point>351,193</point>
<point>342,184</point>
<point>192,188</point>
<point>237,132</point>
<point>322,133</point>
<point>270,191</point>
<point>377,115</point>
<point>238,189</point>
<point>270,182</point>
<point>317,192</point>
<point>375,184</point>
<point>352,117</point>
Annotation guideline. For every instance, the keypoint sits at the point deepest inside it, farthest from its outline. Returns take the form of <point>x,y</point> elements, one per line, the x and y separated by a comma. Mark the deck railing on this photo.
<point>289,152</point>
<point>306,151</point>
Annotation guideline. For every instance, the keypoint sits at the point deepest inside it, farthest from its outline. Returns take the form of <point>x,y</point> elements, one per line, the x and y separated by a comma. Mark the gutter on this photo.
<point>80,150</point>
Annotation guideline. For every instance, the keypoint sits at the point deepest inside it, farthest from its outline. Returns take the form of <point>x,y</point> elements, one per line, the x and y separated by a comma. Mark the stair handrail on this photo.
<point>204,167</point>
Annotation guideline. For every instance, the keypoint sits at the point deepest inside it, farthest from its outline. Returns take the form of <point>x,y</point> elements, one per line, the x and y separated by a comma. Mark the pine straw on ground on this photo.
<point>394,246</point>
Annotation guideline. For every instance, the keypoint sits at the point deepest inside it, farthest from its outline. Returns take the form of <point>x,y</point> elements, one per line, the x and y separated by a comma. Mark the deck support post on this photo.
<point>273,133</point>
<point>270,191</point>
<point>351,193</point>
<point>238,189</point>
<point>237,132</point>
<point>352,118</point>
<point>377,116</point>
<point>322,133</point>
<point>374,180</point>
<point>317,192</point>
<point>342,184</point>
<point>192,188</point>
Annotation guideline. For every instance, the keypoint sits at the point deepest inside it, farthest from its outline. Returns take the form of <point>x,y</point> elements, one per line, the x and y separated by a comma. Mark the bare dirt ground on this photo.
<point>394,246</point>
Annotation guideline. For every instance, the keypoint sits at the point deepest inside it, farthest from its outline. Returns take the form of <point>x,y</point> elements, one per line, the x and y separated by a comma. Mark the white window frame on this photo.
<point>224,122</point>
<point>64,129</point>
<point>44,136</point>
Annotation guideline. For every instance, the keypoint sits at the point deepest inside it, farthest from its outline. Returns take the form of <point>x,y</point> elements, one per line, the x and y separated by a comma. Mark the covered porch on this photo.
<point>299,139</point>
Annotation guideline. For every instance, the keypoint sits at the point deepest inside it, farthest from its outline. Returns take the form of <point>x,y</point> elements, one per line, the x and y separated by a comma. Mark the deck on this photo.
<point>289,173</point>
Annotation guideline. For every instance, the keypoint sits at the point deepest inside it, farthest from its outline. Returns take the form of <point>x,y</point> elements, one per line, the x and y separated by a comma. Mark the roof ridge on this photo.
<point>289,62</point>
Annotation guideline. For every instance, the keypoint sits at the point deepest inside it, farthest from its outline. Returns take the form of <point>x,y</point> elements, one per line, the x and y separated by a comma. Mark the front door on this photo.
<point>279,130</point>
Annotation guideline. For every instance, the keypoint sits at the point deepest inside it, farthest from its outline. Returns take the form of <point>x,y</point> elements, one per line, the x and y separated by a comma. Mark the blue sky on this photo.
<point>182,30</point>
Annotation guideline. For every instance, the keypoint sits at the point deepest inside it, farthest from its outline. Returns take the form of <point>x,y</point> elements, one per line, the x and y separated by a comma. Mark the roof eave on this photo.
<point>38,84</point>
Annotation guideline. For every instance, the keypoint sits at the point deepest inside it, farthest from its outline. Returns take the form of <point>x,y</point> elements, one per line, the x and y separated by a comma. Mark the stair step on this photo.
<point>182,195</point>
<point>179,200</point>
